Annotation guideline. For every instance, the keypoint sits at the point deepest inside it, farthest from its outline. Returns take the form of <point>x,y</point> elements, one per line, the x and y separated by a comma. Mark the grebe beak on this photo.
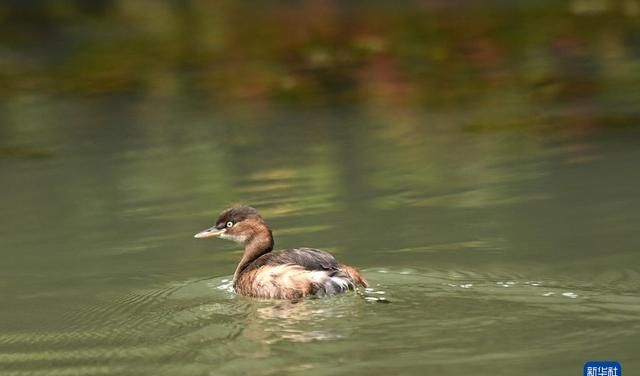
<point>213,231</point>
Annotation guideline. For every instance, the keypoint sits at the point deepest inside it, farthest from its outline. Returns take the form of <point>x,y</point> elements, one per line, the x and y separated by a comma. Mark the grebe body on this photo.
<point>286,274</point>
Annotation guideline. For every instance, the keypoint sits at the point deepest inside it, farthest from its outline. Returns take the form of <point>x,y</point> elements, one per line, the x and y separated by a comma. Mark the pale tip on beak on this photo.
<point>208,233</point>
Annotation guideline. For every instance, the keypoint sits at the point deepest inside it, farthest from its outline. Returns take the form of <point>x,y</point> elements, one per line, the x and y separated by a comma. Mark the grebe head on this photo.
<point>239,224</point>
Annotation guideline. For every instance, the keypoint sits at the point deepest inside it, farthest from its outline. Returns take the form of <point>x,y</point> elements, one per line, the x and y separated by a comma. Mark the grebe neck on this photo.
<point>254,247</point>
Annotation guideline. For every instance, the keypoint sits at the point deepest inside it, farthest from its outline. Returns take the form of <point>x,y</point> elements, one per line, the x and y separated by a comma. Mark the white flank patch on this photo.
<point>322,277</point>
<point>344,283</point>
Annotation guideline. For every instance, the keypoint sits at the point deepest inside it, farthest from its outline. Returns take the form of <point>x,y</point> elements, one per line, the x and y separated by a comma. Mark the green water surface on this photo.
<point>479,165</point>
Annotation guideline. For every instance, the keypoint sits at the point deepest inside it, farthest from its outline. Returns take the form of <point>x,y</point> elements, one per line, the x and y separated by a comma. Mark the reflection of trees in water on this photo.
<point>432,53</point>
<point>419,77</point>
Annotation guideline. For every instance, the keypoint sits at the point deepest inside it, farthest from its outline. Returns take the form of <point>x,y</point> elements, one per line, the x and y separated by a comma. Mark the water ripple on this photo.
<point>201,322</point>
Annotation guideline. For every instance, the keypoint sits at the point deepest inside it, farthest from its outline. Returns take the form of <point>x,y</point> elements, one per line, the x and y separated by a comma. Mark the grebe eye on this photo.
<point>229,224</point>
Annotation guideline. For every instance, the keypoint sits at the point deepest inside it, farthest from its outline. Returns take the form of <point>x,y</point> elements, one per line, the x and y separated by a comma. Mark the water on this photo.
<point>485,251</point>
<point>495,217</point>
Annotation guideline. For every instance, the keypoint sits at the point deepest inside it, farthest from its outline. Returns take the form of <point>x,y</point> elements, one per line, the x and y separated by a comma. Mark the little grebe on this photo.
<point>287,274</point>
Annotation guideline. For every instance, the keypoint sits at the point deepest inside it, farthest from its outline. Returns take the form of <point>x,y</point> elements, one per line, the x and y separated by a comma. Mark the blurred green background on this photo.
<point>511,57</point>
<point>477,160</point>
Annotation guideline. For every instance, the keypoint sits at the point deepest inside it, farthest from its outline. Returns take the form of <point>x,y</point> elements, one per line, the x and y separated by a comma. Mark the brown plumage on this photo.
<point>287,274</point>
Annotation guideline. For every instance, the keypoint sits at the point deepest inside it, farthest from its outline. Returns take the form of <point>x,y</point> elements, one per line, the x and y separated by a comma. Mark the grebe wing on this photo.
<point>297,272</point>
<point>308,258</point>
